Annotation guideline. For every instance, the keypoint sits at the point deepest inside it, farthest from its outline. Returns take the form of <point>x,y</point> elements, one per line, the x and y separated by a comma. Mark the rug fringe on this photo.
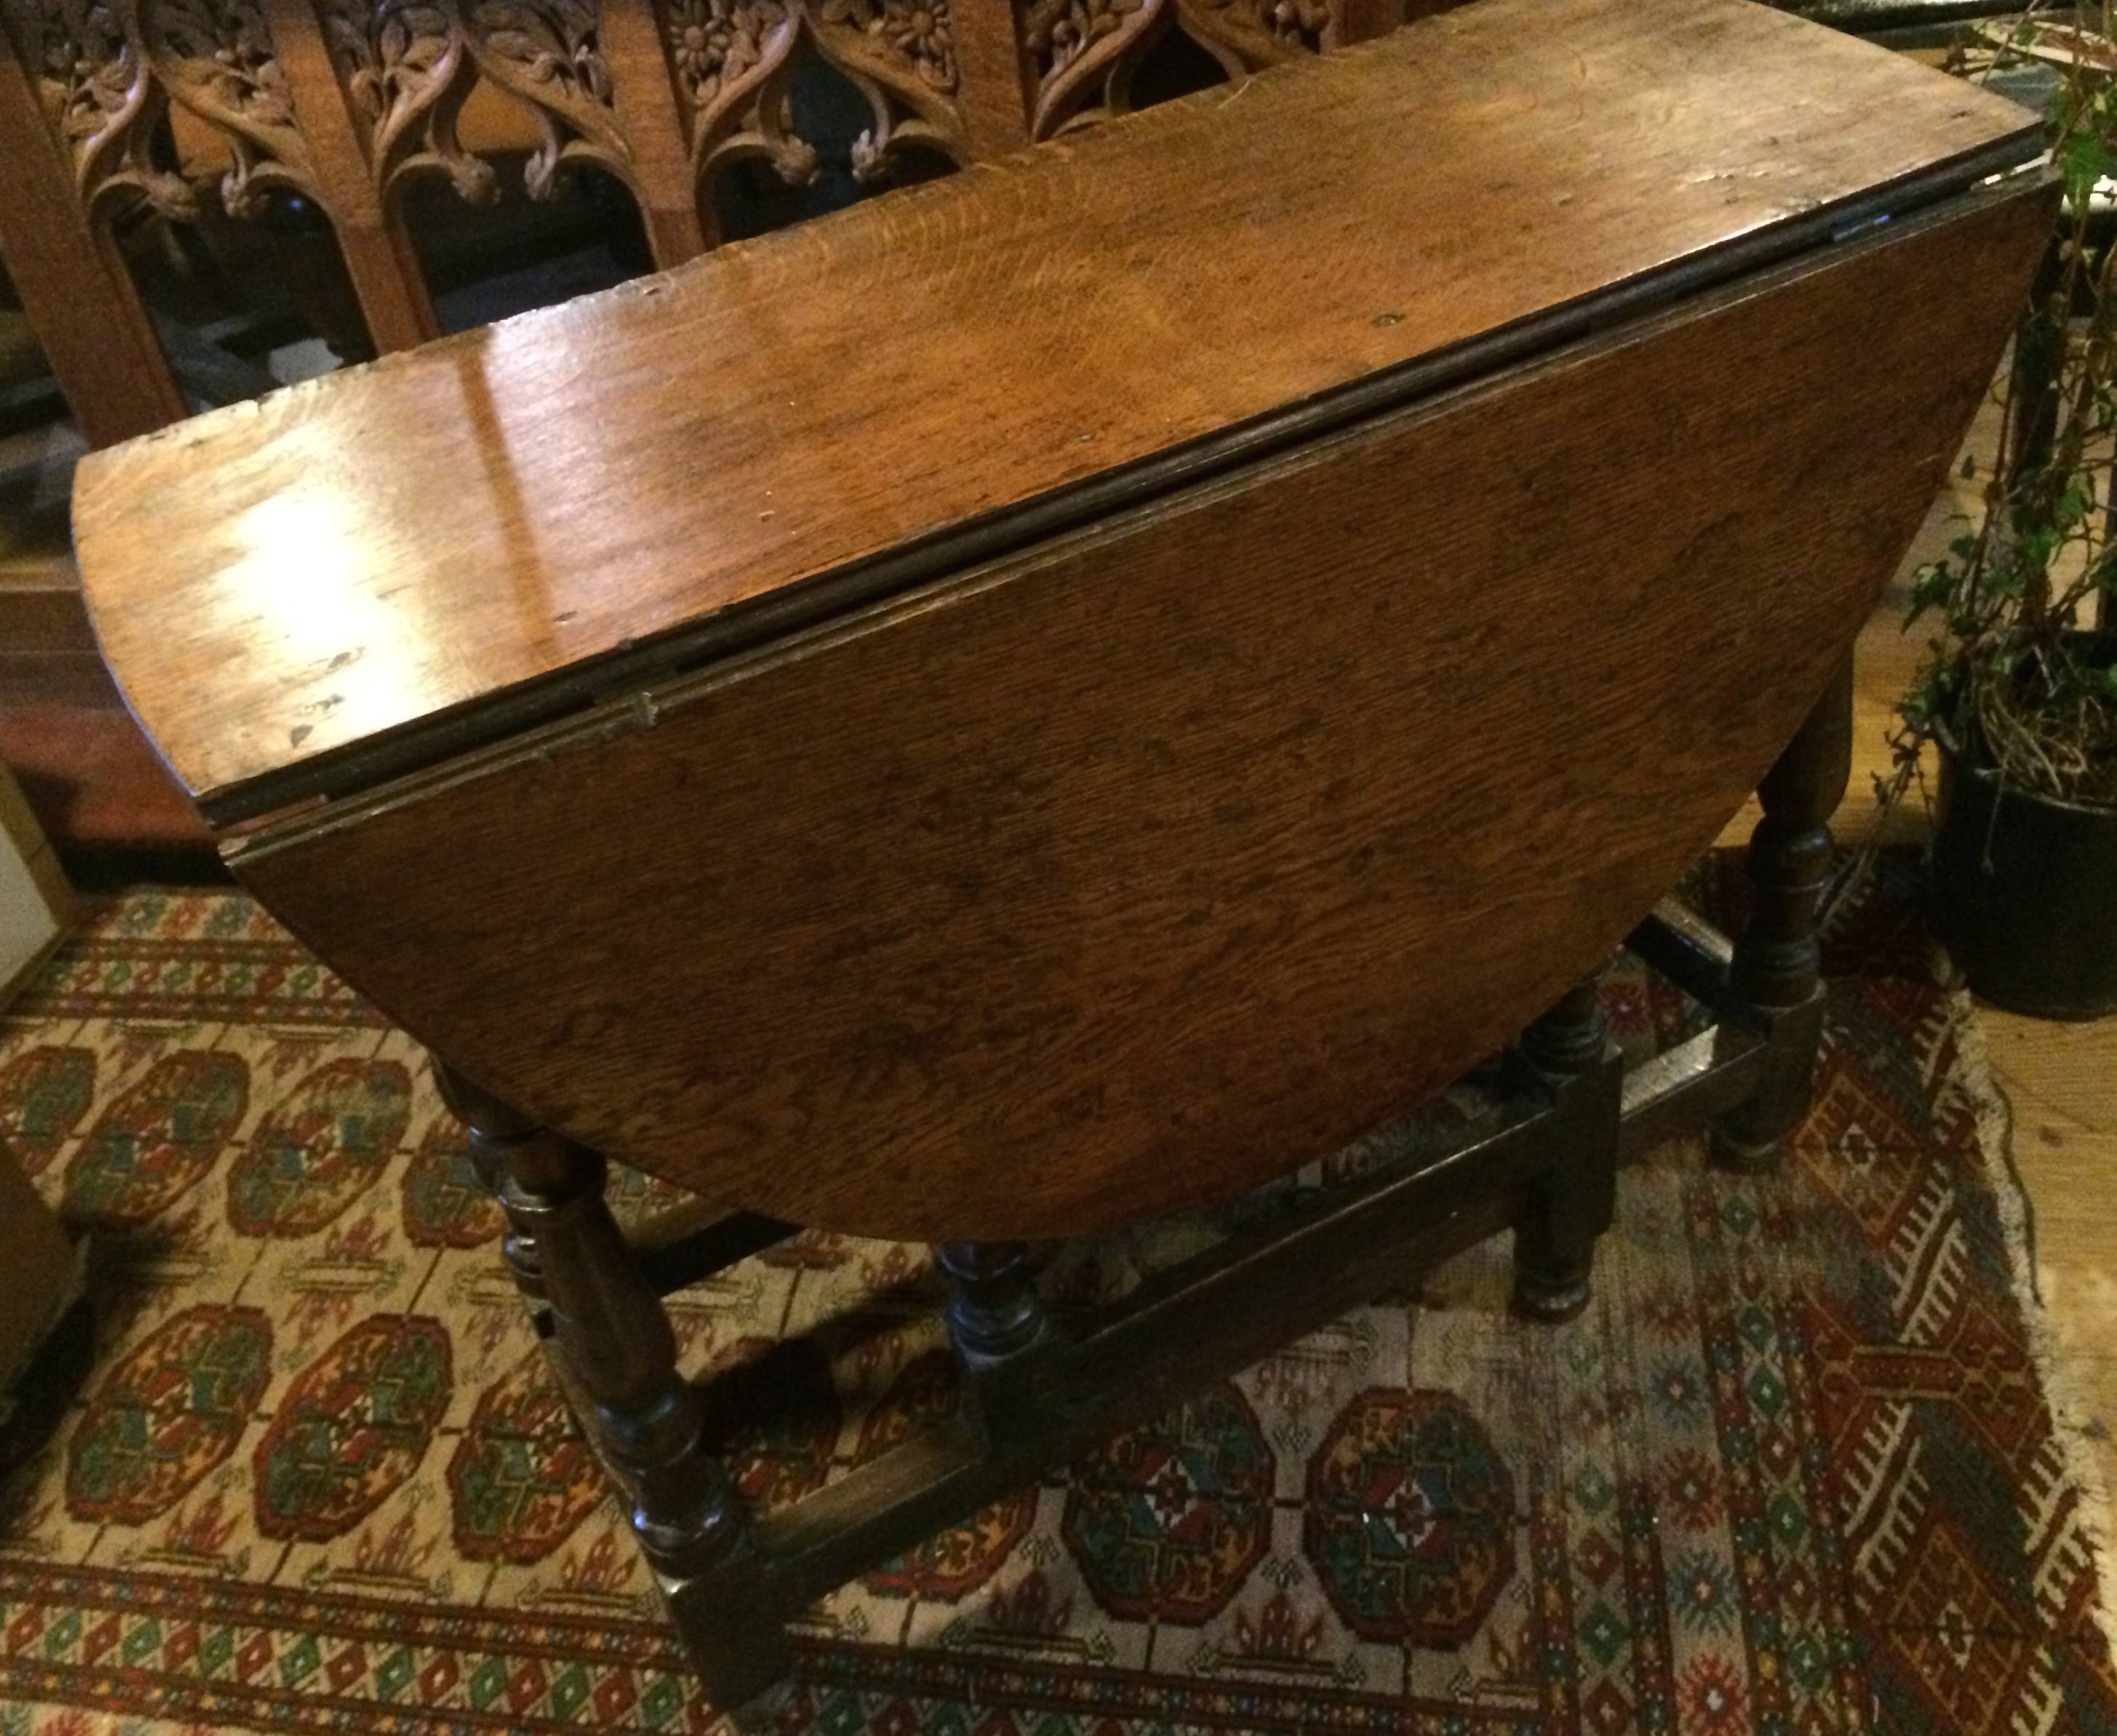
<point>2070,1419</point>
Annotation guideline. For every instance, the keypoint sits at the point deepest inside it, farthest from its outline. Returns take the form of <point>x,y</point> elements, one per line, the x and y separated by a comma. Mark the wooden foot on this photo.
<point>613,1349</point>
<point>1572,1203</point>
<point>1777,964</point>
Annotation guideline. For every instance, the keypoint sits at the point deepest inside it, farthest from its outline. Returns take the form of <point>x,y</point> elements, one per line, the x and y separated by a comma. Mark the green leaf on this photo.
<point>2077,501</point>
<point>1969,466</point>
<point>2084,159</point>
<point>1930,587</point>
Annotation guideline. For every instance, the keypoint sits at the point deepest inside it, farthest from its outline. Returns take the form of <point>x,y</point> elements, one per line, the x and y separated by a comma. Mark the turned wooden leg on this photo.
<point>1572,1202</point>
<point>615,1354</point>
<point>997,1322</point>
<point>493,1133</point>
<point>1778,957</point>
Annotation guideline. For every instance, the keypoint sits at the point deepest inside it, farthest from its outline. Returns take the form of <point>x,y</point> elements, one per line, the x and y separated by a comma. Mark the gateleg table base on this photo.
<point>1038,1389</point>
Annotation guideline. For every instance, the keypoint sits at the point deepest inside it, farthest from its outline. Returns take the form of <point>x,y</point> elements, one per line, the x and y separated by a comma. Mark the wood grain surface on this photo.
<point>1121,875</point>
<point>283,580</point>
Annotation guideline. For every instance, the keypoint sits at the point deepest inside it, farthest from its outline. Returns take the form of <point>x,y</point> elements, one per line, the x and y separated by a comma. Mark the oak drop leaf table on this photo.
<point>1149,658</point>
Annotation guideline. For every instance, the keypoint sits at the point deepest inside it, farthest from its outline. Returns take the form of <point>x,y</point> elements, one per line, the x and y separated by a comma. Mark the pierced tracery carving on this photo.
<point>545,51</point>
<point>1084,50</point>
<point>714,44</point>
<point>216,57</point>
<point>900,55</point>
<point>920,32</point>
<point>97,97</point>
<point>408,65</point>
<point>404,67</point>
<point>733,62</point>
<point>729,59</point>
<point>1247,34</point>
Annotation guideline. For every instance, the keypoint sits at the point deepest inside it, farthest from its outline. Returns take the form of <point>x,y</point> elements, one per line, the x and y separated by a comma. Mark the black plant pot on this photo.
<point>2025,893</point>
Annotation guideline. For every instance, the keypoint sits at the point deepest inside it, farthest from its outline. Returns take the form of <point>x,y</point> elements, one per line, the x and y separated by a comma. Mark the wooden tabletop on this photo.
<point>278,584</point>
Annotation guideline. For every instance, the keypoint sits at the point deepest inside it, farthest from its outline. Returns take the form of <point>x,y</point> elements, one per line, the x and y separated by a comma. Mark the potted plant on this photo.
<point>2019,695</point>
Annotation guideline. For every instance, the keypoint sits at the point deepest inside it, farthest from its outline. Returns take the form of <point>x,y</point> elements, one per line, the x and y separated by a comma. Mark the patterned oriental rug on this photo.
<point>1798,1470</point>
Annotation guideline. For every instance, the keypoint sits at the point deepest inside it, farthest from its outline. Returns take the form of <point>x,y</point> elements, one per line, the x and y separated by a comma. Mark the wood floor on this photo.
<point>2061,1080</point>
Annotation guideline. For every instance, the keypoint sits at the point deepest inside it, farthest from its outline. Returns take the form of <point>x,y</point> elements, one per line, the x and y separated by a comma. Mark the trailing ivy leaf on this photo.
<point>2077,501</point>
<point>2083,159</point>
<point>2007,596</point>
<point>1930,586</point>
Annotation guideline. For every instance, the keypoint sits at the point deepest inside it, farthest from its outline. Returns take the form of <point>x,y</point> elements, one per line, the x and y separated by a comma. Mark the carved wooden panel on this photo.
<point>405,68</point>
<point>1084,53</point>
<point>95,96</point>
<point>215,58</point>
<point>732,63</point>
<point>547,53</point>
<point>407,65</point>
<point>70,118</point>
<point>342,101</point>
<point>1245,34</point>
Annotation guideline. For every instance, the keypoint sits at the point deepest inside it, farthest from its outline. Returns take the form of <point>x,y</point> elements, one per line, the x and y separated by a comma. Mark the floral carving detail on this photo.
<point>1258,32</point>
<point>228,58</point>
<point>547,53</point>
<point>713,43</point>
<point>553,42</point>
<point>733,62</point>
<point>83,67</point>
<point>98,100</point>
<point>919,31</point>
<point>724,51</point>
<point>1085,50</point>
<point>1059,32</point>
<point>216,59</point>
<point>403,64</point>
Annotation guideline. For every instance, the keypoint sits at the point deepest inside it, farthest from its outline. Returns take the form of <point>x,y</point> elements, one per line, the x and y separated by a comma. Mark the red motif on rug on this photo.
<point>316,1152</point>
<point>352,1426</point>
<point>171,1410</point>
